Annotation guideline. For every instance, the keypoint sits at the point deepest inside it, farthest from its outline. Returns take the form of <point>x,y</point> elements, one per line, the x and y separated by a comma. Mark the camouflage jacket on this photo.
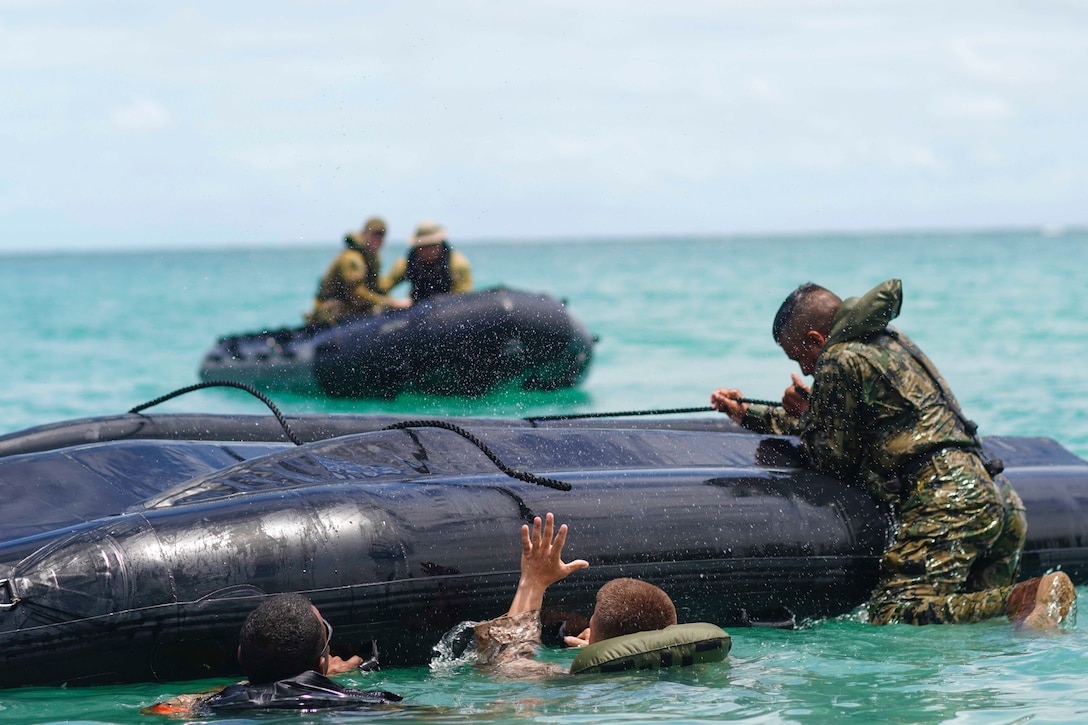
<point>353,279</point>
<point>874,407</point>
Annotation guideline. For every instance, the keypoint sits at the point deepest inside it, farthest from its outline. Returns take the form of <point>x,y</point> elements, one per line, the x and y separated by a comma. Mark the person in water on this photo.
<point>351,286</point>
<point>880,416</point>
<point>625,608</point>
<point>284,651</point>
<point>432,266</point>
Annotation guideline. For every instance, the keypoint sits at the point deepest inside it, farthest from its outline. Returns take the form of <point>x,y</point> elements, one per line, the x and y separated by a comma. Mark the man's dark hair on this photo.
<point>281,638</point>
<point>626,606</point>
<point>799,300</point>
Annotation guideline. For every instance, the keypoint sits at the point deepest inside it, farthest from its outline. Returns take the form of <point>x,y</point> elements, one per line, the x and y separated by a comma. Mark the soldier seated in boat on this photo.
<point>284,651</point>
<point>432,266</point>
<point>881,417</point>
<point>633,625</point>
<point>351,286</point>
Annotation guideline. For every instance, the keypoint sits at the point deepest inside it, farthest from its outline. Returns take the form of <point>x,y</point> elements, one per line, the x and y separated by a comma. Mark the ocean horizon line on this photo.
<point>1045,231</point>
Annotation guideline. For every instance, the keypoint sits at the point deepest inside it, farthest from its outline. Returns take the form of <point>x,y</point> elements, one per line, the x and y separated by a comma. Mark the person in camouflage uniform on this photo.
<point>351,286</point>
<point>881,417</point>
<point>506,644</point>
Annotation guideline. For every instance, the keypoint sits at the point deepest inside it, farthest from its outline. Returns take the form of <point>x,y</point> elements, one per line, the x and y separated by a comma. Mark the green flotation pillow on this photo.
<point>680,644</point>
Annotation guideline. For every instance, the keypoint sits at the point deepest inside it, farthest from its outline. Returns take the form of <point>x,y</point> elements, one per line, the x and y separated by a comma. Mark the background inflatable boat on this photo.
<point>446,345</point>
<point>132,547</point>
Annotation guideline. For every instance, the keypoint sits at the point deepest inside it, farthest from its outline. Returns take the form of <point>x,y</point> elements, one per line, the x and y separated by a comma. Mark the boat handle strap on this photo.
<point>8,600</point>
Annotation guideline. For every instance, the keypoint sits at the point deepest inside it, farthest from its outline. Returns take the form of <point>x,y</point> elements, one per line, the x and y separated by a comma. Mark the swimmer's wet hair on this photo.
<point>626,606</point>
<point>281,638</point>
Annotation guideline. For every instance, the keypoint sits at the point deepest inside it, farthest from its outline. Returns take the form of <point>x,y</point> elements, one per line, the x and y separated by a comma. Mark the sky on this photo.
<point>215,124</point>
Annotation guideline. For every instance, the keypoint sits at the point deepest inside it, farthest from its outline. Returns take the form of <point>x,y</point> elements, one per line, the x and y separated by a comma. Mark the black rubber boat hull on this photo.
<point>399,535</point>
<point>464,345</point>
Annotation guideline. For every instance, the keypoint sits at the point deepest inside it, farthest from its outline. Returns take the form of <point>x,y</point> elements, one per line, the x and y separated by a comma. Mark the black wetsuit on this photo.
<point>308,691</point>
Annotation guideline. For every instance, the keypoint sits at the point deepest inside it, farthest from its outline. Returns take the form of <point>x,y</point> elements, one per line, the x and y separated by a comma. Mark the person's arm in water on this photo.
<point>510,641</point>
<point>340,666</point>
<point>541,564</point>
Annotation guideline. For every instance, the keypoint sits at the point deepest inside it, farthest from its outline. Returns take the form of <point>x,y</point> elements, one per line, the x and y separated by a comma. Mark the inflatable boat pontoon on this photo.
<point>464,345</point>
<point>132,547</point>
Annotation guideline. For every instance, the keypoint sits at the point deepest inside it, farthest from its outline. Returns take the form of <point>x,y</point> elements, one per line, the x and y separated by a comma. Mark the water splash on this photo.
<point>456,649</point>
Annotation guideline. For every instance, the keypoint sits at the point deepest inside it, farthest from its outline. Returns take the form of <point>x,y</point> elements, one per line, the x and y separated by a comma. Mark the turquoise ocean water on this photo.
<point>1003,314</point>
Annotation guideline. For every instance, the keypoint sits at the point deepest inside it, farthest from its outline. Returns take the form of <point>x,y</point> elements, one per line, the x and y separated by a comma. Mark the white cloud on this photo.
<point>1009,57</point>
<point>765,89</point>
<point>141,115</point>
<point>277,158</point>
<point>561,116</point>
<point>973,106</point>
<point>911,156</point>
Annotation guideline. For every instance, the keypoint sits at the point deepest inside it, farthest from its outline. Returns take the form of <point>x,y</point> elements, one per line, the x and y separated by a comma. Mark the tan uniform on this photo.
<point>350,288</point>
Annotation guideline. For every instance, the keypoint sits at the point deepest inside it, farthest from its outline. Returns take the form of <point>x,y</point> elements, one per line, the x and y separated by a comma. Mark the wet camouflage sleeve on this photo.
<point>873,407</point>
<point>832,435</point>
<point>360,297</point>
<point>395,276</point>
<point>507,637</point>
<point>774,421</point>
<point>507,644</point>
<point>344,290</point>
<point>460,274</point>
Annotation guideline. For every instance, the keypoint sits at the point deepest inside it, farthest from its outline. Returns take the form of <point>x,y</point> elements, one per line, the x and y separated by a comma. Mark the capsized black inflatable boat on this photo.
<point>446,345</point>
<point>132,547</point>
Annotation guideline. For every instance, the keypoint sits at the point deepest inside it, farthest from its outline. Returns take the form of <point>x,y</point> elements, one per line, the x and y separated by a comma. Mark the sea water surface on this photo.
<point>1003,314</point>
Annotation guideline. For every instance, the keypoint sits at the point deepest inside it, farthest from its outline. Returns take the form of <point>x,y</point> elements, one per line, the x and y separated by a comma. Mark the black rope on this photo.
<point>227,384</point>
<point>512,472</point>
<point>755,401</point>
<point>665,411</point>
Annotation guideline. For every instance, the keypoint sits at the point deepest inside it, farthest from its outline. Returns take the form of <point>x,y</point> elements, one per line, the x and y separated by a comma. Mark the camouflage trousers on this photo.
<point>957,547</point>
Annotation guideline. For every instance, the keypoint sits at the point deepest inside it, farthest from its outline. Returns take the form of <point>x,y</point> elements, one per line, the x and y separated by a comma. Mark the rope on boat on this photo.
<point>227,384</point>
<point>525,476</point>
<point>512,472</point>
<point>664,411</point>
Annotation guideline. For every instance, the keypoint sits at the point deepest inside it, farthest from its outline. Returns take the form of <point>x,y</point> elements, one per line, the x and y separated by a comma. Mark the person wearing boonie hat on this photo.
<point>351,286</point>
<point>432,266</point>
